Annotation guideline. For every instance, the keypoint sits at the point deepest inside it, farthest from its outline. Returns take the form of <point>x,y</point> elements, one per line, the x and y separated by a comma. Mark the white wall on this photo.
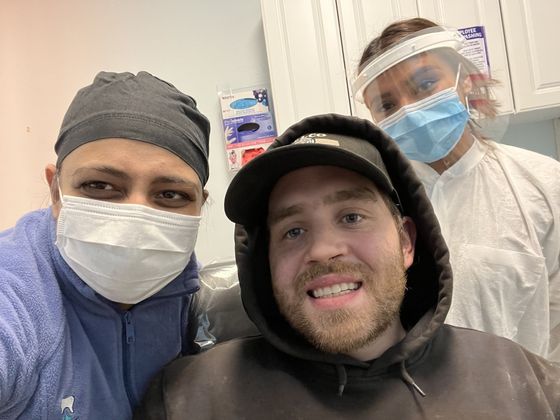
<point>537,136</point>
<point>51,48</point>
<point>533,130</point>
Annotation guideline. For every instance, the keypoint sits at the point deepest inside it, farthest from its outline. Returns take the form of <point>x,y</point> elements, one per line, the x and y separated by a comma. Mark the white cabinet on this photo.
<point>314,46</point>
<point>307,72</point>
<point>533,52</point>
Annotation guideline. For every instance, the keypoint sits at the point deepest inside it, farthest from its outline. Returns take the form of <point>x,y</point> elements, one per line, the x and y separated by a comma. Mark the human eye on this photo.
<point>293,233</point>
<point>352,218</point>
<point>386,107</point>
<point>100,190</point>
<point>425,81</point>
<point>383,107</point>
<point>173,198</point>
<point>426,85</point>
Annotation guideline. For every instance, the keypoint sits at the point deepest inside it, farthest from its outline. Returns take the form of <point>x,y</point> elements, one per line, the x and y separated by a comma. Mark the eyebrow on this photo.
<point>174,180</point>
<point>424,71</point>
<point>109,170</point>
<point>360,193</point>
<point>284,213</point>
<point>378,100</point>
<point>164,179</point>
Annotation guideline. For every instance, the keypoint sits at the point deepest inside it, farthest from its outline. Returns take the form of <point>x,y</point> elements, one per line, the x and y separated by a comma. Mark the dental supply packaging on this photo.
<point>248,123</point>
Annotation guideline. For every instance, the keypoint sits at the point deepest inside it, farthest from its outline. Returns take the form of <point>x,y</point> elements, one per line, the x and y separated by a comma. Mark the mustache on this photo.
<point>332,267</point>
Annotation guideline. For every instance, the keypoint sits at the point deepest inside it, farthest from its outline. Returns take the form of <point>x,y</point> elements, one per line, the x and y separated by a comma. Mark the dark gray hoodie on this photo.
<point>436,371</point>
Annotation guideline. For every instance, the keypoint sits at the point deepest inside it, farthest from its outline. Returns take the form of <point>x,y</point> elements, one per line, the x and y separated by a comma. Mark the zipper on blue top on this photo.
<point>128,339</point>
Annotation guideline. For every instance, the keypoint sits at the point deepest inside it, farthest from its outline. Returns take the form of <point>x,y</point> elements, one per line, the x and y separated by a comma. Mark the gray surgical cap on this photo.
<point>137,107</point>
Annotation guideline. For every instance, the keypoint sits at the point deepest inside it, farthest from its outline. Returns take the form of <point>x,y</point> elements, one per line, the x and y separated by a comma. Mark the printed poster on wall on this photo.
<point>248,124</point>
<point>475,48</point>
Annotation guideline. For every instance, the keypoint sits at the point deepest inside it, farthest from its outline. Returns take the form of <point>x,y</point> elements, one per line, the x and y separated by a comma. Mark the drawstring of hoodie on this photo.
<point>407,379</point>
<point>342,378</point>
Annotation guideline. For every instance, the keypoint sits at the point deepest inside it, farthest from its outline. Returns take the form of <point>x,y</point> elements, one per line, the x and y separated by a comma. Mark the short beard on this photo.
<point>347,330</point>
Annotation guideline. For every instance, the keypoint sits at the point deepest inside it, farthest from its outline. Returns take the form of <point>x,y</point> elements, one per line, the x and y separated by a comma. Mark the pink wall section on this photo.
<point>49,49</point>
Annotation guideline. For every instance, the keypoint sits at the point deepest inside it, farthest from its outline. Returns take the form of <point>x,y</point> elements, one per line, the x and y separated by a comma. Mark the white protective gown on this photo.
<point>499,210</point>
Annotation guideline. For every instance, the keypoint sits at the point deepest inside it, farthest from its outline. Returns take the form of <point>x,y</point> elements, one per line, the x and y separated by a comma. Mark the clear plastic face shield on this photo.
<point>416,68</point>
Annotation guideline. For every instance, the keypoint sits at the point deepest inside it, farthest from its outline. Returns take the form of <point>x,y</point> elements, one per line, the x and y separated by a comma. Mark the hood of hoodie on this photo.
<point>429,284</point>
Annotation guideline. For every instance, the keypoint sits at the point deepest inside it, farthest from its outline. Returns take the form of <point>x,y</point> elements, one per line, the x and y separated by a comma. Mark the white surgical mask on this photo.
<point>125,252</point>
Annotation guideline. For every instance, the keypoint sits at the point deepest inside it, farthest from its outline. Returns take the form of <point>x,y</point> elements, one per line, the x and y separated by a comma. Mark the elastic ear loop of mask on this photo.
<point>466,96</point>
<point>57,180</point>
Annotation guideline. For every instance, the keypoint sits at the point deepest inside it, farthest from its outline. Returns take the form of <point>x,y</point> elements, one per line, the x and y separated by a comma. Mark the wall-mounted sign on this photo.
<point>248,124</point>
<point>475,48</point>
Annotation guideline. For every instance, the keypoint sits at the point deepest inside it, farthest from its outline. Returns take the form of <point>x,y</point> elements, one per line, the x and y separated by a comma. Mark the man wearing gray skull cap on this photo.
<point>96,290</point>
<point>343,269</point>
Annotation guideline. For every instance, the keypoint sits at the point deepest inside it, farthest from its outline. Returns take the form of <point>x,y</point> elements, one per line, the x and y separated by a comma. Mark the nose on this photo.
<point>137,197</point>
<point>405,99</point>
<point>325,245</point>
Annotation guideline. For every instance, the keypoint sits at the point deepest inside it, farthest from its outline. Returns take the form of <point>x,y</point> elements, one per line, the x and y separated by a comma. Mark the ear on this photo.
<point>408,240</point>
<point>467,85</point>
<point>52,181</point>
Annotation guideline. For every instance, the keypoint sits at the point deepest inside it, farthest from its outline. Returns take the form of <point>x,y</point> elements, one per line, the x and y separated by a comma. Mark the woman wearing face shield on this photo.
<point>498,206</point>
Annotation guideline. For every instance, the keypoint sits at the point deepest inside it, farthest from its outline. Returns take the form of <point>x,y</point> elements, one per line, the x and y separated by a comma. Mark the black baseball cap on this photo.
<point>246,200</point>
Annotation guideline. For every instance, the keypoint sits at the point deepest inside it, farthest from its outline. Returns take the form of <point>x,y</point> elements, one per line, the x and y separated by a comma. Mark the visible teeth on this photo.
<point>335,289</point>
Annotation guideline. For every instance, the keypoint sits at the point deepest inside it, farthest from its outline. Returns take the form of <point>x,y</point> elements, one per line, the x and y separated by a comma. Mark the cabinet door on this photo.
<point>362,20</point>
<point>530,28</point>
<point>305,60</point>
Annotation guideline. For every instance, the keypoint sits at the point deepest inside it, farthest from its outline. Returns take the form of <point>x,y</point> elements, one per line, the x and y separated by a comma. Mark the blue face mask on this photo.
<point>429,129</point>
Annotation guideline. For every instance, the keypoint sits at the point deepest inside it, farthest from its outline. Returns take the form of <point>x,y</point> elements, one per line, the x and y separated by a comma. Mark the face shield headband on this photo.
<point>416,43</point>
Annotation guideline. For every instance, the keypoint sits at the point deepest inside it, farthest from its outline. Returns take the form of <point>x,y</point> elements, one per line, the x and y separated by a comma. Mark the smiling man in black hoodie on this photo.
<point>343,269</point>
